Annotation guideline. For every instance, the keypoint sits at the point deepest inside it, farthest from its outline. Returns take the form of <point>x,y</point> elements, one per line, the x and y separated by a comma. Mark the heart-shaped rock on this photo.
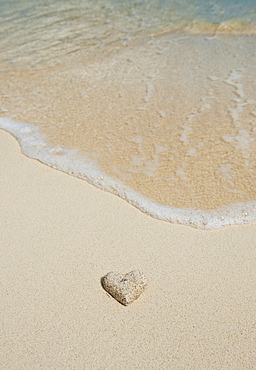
<point>124,288</point>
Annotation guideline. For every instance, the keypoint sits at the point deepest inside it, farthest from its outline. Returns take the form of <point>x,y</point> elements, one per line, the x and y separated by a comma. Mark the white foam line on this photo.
<point>184,134</point>
<point>150,88</point>
<point>240,101</point>
<point>35,146</point>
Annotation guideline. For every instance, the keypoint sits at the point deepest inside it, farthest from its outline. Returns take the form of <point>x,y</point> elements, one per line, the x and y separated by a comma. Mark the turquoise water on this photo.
<point>49,29</point>
<point>153,101</point>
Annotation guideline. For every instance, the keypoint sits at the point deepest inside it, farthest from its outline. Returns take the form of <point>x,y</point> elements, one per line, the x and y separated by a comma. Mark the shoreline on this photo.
<point>60,235</point>
<point>34,145</point>
<point>173,132</point>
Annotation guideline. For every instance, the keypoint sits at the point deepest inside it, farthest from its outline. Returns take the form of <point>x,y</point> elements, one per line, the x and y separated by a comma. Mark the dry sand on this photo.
<point>59,236</point>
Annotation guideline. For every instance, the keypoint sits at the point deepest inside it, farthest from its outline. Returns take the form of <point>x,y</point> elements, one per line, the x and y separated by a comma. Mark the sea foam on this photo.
<point>34,145</point>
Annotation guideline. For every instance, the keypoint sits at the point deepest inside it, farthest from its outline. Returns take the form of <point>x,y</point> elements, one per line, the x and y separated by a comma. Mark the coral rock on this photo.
<point>124,288</point>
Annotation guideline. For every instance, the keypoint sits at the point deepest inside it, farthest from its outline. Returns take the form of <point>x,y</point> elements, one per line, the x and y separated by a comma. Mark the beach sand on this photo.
<point>59,236</point>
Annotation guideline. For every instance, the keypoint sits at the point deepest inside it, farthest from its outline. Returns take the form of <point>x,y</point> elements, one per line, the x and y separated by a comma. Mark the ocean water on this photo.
<point>154,101</point>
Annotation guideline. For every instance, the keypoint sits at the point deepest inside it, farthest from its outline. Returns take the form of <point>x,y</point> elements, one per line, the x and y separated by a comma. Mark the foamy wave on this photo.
<point>35,146</point>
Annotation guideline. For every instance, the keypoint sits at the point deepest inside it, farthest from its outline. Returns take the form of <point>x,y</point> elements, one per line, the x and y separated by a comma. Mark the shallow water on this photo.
<point>153,101</point>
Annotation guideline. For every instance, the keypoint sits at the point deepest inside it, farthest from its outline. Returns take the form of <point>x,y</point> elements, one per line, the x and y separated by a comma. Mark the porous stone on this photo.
<point>124,288</point>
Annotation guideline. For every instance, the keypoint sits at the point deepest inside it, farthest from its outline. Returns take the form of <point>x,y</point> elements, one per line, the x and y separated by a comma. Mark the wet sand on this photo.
<point>172,117</point>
